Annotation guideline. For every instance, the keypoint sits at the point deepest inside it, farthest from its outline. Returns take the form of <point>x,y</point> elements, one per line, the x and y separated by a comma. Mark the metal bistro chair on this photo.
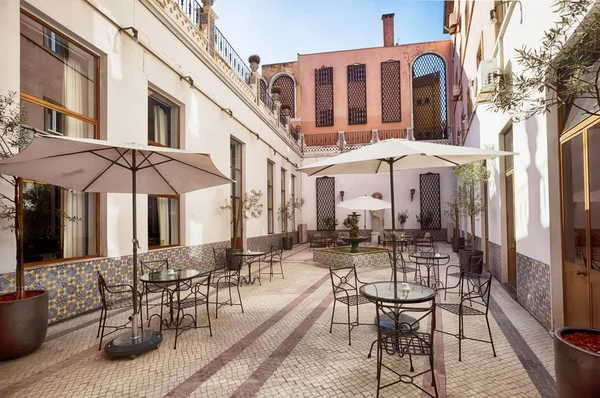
<point>402,339</point>
<point>151,288</point>
<point>273,258</point>
<point>473,266</point>
<point>344,282</point>
<point>474,301</point>
<point>404,268</point>
<point>225,276</point>
<point>195,293</point>
<point>114,297</point>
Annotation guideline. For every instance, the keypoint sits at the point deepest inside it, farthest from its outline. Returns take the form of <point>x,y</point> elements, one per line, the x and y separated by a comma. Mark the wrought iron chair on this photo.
<point>425,243</point>
<point>195,293</point>
<point>474,301</point>
<point>401,337</point>
<point>473,266</point>
<point>344,282</point>
<point>404,267</point>
<point>225,276</point>
<point>151,288</point>
<point>114,297</point>
<point>274,257</point>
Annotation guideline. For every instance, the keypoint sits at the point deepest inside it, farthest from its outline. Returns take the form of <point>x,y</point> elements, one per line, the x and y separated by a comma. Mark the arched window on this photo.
<point>429,97</point>
<point>288,97</point>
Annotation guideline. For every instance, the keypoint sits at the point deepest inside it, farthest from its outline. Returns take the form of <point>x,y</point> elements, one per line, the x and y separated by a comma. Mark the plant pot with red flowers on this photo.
<point>577,362</point>
<point>23,314</point>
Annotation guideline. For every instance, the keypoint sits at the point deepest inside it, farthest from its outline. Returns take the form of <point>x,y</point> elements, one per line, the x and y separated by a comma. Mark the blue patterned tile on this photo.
<point>71,289</point>
<point>51,275</point>
<point>71,271</point>
<point>29,279</point>
<point>4,284</point>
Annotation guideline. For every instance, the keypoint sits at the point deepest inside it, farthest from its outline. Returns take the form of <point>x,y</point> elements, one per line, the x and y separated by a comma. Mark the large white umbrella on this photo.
<point>88,165</point>
<point>365,202</point>
<point>399,154</point>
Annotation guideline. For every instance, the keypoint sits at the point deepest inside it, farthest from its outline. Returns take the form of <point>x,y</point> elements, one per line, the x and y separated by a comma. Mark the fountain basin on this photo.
<point>367,257</point>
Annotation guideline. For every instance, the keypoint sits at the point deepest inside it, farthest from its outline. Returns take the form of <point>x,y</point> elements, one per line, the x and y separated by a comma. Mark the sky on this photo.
<point>277,30</point>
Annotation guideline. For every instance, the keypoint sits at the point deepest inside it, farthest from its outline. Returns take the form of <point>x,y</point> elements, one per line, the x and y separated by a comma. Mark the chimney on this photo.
<point>388,30</point>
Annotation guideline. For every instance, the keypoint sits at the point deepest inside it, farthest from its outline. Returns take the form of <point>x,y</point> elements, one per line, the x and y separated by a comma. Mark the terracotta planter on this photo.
<point>24,325</point>
<point>457,244</point>
<point>577,370</point>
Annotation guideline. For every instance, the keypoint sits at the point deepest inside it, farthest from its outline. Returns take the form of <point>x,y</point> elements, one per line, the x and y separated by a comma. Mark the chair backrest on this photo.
<point>102,288</point>
<point>475,289</point>
<point>153,266</point>
<point>344,279</point>
<point>220,257</point>
<point>475,264</point>
<point>276,252</point>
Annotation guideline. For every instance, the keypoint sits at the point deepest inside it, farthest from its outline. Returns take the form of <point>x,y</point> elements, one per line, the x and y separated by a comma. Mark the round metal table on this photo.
<point>431,260</point>
<point>250,257</point>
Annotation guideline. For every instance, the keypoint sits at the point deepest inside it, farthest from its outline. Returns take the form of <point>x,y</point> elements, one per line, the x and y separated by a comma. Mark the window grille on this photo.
<point>324,96</point>
<point>287,96</point>
<point>390,92</point>
<point>357,94</point>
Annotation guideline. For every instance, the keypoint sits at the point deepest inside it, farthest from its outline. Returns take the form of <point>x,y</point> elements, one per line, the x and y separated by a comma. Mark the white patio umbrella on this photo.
<point>399,154</point>
<point>88,165</point>
<point>365,202</point>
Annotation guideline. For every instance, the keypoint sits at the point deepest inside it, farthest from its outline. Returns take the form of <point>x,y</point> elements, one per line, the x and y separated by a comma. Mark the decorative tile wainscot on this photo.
<point>341,257</point>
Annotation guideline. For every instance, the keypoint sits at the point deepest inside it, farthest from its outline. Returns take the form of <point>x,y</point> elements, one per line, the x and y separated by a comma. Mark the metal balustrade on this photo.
<point>230,56</point>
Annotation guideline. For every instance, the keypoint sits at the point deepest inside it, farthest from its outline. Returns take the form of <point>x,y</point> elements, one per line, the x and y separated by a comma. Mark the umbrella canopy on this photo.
<point>365,202</point>
<point>399,154</point>
<point>402,154</point>
<point>96,166</point>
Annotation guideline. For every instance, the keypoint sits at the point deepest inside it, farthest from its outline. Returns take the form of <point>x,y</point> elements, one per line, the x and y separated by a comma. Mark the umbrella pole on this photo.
<point>390,161</point>
<point>134,321</point>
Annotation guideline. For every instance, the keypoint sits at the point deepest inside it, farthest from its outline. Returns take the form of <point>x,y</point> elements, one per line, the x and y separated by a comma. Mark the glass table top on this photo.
<point>430,255</point>
<point>399,292</point>
<point>249,253</point>
<point>170,275</point>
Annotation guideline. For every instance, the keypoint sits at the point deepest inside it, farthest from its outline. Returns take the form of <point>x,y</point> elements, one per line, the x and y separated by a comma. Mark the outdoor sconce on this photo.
<point>134,32</point>
<point>412,194</point>
<point>493,18</point>
<point>342,195</point>
<point>187,79</point>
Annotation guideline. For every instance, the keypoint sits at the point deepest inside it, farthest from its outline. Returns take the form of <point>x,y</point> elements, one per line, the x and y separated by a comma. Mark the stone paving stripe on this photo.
<point>539,375</point>
<point>195,380</point>
<point>28,381</point>
<point>266,369</point>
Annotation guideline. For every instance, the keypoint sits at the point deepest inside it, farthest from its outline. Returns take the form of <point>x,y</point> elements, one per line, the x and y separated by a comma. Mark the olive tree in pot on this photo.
<point>23,313</point>
<point>243,208</point>
<point>453,213</point>
<point>471,176</point>
<point>287,212</point>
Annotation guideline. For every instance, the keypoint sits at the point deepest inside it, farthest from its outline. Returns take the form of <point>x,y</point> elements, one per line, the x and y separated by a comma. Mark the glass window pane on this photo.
<point>236,154</point>
<point>163,221</point>
<point>594,166</point>
<point>51,121</point>
<point>54,68</point>
<point>163,117</point>
<point>575,234</point>
<point>508,146</point>
<point>58,223</point>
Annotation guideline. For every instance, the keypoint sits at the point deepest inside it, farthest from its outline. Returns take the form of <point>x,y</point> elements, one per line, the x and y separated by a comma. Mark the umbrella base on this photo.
<point>126,346</point>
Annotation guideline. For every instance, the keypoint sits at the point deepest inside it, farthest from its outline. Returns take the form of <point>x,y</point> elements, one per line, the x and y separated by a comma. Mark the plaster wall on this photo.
<point>372,57</point>
<point>128,70</point>
<point>355,185</point>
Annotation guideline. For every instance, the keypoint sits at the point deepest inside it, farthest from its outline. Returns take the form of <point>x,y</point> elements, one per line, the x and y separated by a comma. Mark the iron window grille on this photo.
<point>390,92</point>
<point>287,96</point>
<point>324,96</point>
<point>357,94</point>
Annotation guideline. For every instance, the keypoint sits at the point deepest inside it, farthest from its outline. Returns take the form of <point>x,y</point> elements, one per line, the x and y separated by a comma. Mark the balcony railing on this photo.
<point>192,9</point>
<point>266,99</point>
<point>358,137</point>
<point>231,56</point>
<point>321,139</point>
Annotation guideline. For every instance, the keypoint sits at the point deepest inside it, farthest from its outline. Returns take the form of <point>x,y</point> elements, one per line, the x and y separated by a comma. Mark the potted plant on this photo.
<point>402,218</point>
<point>287,213</point>
<point>243,208</point>
<point>426,219</point>
<point>254,60</point>
<point>330,223</point>
<point>23,313</point>
<point>453,213</point>
<point>577,362</point>
<point>276,91</point>
<point>471,176</point>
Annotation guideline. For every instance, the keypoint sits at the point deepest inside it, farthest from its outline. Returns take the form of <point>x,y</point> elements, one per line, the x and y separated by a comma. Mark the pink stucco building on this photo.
<point>391,89</point>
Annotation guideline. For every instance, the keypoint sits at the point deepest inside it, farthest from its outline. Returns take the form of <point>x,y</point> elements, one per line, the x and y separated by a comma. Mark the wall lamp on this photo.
<point>134,32</point>
<point>228,111</point>
<point>342,195</point>
<point>188,79</point>
<point>494,15</point>
<point>412,194</point>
